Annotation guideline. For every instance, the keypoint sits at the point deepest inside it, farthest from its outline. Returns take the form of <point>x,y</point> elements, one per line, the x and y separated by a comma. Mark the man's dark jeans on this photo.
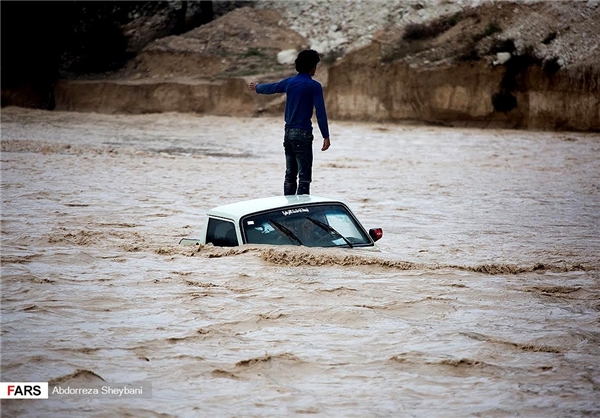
<point>298,161</point>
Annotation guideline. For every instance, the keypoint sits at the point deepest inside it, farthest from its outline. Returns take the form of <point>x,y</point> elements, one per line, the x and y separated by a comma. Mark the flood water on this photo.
<point>483,299</point>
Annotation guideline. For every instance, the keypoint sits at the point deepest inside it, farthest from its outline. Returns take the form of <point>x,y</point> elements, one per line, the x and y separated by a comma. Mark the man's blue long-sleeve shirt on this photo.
<point>302,95</point>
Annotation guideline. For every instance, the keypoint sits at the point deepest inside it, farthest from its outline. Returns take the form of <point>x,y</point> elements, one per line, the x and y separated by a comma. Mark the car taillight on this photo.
<point>376,233</point>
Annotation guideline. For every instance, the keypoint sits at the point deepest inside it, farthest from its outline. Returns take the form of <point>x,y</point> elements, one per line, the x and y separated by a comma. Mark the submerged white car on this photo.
<point>307,220</point>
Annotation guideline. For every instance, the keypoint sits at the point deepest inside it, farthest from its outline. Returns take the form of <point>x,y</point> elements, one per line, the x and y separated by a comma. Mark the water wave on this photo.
<point>78,376</point>
<point>46,147</point>
<point>300,256</point>
<point>538,348</point>
<point>264,366</point>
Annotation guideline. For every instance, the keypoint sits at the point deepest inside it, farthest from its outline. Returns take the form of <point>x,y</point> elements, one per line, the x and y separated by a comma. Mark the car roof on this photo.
<point>235,211</point>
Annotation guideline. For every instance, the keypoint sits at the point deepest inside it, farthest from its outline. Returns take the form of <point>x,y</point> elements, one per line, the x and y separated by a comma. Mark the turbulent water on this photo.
<point>483,299</point>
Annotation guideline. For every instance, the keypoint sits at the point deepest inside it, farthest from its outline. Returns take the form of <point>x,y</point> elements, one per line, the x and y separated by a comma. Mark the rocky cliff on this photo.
<point>511,65</point>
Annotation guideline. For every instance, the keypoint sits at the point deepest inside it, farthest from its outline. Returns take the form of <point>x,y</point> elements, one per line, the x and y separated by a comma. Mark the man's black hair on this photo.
<point>307,60</point>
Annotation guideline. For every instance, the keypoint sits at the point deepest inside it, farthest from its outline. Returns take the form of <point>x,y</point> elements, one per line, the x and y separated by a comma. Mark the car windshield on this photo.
<point>327,225</point>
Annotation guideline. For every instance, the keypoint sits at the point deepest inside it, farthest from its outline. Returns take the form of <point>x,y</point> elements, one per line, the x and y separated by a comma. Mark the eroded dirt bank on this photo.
<point>222,97</point>
<point>468,94</point>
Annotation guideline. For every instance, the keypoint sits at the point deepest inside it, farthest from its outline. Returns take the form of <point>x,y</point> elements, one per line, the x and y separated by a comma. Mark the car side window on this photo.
<point>221,233</point>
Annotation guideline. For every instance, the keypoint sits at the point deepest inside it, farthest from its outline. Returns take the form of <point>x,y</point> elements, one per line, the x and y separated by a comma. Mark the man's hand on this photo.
<point>326,144</point>
<point>252,85</point>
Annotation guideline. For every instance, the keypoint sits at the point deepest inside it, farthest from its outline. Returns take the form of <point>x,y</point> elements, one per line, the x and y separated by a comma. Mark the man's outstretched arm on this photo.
<point>269,88</point>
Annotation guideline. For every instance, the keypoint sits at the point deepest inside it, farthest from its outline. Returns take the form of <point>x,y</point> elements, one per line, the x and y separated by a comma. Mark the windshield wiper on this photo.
<point>286,231</point>
<point>329,229</point>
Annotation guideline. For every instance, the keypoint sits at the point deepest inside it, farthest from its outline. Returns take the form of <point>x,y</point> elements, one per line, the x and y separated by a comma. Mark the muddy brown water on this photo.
<point>483,299</point>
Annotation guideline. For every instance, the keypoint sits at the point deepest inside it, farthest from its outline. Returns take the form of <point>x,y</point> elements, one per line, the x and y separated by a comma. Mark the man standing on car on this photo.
<point>303,94</point>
